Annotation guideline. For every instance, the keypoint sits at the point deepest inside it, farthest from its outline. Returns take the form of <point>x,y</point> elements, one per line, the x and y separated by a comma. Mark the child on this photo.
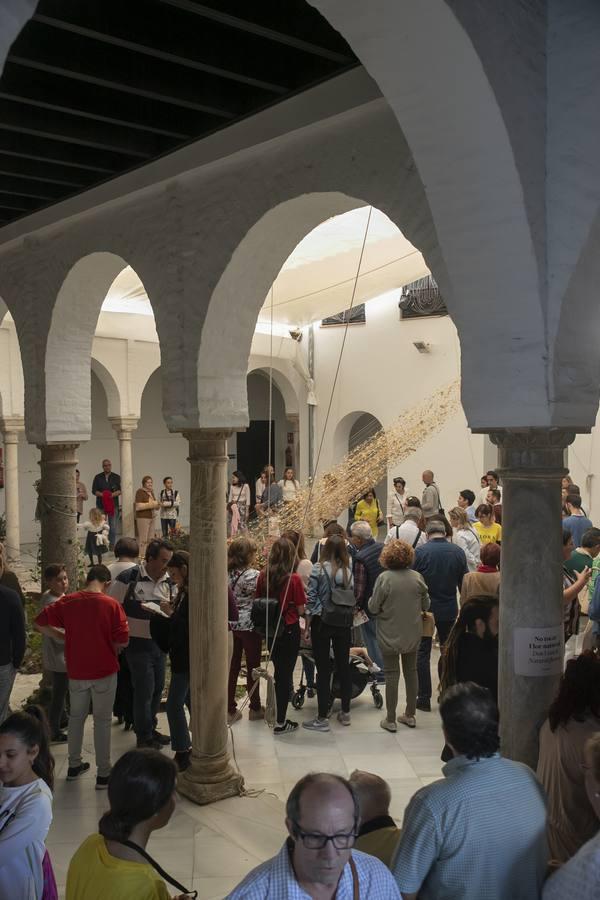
<point>27,776</point>
<point>96,542</point>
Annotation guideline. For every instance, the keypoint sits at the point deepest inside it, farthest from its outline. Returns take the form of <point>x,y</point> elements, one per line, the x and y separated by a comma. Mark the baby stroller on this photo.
<point>360,678</point>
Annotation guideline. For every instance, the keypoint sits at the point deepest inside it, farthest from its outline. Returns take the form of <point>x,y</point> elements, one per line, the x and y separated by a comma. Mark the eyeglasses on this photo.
<point>318,841</point>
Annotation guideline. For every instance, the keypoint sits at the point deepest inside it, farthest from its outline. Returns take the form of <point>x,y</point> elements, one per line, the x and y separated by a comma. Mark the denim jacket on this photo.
<point>319,586</point>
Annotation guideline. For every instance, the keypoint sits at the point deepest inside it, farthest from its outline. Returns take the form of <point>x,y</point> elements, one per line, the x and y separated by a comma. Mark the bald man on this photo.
<point>431,503</point>
<point>318,858</point>
<point>378,834</point>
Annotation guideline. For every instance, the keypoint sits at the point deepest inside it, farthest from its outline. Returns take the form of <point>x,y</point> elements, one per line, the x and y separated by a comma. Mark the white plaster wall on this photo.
<point>383,374</point>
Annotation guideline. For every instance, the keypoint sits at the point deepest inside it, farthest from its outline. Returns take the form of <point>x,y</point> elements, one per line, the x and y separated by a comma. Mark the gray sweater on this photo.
<point>399,599</point>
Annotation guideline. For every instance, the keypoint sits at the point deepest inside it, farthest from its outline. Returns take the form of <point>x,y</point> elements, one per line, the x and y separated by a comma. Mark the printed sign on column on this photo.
<point>539,651</point>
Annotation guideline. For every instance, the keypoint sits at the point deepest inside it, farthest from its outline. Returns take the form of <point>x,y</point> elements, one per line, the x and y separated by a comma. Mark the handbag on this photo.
<point>265,615</point>
<point>428,624</point>
<point>338,607</point>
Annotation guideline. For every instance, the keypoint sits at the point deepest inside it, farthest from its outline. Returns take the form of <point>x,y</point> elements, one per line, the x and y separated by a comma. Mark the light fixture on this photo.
<point>422,347</point>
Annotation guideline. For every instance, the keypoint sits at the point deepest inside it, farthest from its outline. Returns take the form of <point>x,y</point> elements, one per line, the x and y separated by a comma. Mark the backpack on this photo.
<point>338,606</point>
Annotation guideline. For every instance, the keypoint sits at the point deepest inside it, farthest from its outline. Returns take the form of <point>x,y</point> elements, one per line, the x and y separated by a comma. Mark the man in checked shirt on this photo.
<point>318,861</point>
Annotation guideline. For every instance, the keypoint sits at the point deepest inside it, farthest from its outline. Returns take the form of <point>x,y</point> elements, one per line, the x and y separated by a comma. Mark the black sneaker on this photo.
<point>310,693</point>
<point>183,759</point>
<point>101,782</point>
<point>74,772</point>
<point>287,728</point>
<point>424,705</point>
<point>162,739</point>
<point>60,738</point>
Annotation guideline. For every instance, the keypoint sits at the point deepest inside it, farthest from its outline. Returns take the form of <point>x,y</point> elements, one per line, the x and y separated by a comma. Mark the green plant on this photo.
<point>180,539</point>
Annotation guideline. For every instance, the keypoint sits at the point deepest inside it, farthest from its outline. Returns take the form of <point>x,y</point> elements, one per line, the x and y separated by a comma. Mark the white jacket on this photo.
<point>468,540</point>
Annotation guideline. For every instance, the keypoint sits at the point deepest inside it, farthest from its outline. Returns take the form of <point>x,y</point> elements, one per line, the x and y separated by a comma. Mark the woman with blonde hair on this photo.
<point>465,536</point>
<point>400,597</point>
<point>146,509</point>
<point>241,554</point>
<point>98,530</point>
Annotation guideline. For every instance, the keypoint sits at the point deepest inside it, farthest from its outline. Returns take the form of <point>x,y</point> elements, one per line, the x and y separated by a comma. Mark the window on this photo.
<point>420,299</point>
<point>355,316</point>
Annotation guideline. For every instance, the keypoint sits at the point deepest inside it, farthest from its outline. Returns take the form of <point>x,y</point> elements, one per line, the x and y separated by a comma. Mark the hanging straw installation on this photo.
<point>361,468</point>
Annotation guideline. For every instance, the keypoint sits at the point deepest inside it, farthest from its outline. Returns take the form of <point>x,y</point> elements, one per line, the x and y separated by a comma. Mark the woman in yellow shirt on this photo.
<point>114,863</point>
<point>488,530</point>
<point>368,510</point>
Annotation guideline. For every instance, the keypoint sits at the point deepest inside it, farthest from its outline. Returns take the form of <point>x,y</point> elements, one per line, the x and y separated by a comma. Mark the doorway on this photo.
<point>253,451</point>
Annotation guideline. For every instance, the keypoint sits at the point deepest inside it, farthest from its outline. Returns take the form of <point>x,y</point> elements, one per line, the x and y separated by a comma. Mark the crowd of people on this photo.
<point>359,609</point>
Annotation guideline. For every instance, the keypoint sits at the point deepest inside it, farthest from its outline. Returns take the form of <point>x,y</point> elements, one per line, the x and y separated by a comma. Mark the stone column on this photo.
<point>11,427</point>
<point>57,507</point>
<point>531,608</point>
<point>124,426</point>
<point>211,775</point>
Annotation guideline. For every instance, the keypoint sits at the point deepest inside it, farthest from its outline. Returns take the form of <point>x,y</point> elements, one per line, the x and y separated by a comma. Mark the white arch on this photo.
<point>254,265</point>
<point>111,389</point>
<point>69,347</point>
<point>488,232</point>
<point>284,385</point>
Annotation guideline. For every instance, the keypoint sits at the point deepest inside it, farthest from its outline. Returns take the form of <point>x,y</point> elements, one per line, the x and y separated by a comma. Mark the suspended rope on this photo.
<point>263,672</point>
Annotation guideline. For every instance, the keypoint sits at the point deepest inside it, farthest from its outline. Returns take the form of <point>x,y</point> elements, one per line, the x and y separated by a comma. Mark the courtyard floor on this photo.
<point>211,848</point>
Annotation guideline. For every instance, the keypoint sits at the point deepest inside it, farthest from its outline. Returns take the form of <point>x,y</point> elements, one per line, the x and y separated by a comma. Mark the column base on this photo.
<point>208,780</point>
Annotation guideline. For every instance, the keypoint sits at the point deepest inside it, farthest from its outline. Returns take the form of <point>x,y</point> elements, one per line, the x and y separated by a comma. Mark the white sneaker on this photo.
<point>343,718</point>
<point>374,669</point>
<point>316,725</point>
<point>389,726</point>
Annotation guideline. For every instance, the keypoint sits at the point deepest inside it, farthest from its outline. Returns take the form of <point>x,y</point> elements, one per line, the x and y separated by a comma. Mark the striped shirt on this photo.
<point>275,880</point>
<point>478,834</point>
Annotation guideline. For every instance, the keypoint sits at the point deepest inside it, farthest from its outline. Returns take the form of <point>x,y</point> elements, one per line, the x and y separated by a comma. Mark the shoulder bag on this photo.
<point>158,868</point>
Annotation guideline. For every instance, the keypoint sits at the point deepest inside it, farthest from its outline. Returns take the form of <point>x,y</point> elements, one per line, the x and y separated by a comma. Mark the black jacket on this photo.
<point>12,628</point>
<point>173,635</point>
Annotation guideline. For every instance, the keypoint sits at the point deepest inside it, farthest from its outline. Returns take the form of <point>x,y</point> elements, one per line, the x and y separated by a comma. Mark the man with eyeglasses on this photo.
<point>318,861</point>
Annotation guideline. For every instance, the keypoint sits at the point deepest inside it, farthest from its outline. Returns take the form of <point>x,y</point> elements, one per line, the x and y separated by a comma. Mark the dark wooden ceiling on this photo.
<point>94,88</point>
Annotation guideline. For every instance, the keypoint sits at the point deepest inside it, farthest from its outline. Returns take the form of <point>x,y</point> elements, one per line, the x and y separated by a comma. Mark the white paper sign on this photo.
<point>539,651</point>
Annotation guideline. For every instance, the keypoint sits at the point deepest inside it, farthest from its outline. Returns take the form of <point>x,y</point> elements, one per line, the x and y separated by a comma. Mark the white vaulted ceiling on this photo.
<point>317,279</point>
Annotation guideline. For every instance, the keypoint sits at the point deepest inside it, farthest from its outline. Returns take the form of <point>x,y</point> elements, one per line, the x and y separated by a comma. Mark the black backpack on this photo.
<point>338,606</point>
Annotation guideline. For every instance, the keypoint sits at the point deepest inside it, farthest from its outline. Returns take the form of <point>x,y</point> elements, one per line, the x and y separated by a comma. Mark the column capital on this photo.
<point>124,425</point>
<point>532,452</point>
<point>208,443</point>
<point>11,427</point>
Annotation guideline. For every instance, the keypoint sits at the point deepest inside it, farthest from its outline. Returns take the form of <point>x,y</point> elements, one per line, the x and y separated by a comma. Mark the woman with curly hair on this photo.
<point>573,718</point>
<point>399,599</point>
<point>241,554</point>
<point>471,650</point>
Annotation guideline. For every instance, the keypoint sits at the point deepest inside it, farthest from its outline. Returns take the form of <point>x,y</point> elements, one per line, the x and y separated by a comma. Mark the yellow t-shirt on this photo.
<point>488,534</point>
<point>96,875</point>
<point>368,514</point>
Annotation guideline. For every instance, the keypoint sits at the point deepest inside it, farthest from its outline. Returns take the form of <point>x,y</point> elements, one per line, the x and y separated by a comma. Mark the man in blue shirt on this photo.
<point>576,522</point>
<point>443,566</point>
<point>480,832</point>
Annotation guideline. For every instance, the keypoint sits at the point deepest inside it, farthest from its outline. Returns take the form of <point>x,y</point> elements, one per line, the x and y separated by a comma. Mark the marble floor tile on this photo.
<point>210,848</point>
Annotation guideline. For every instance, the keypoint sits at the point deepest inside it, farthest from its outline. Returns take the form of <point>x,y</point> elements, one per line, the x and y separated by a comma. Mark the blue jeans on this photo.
<point>179,697</point>
<point>113,525</point>
<point>147,667</point>
<point>369,634</point>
